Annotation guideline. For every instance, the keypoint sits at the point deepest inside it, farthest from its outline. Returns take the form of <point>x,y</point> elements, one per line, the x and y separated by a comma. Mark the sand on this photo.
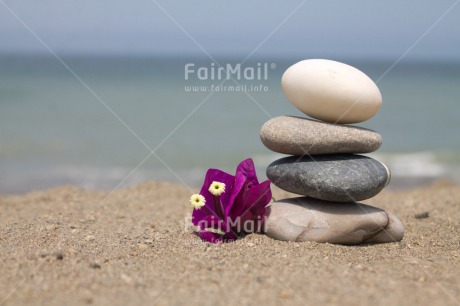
<point>70,246</point>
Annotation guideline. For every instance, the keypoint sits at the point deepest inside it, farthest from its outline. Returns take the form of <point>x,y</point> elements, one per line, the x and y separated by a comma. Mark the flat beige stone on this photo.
<point>301,136</point>
<point>394,231</point>
<point>306,219</point>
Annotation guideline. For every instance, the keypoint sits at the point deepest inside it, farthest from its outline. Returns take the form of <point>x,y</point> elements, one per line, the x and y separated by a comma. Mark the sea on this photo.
<point>107,122</point>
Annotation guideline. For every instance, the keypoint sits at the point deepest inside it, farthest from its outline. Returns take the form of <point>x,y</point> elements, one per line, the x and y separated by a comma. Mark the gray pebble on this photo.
<point>339,178</point>
<point>301,136</point>
<point>59,255</point>
<point>422,215</point>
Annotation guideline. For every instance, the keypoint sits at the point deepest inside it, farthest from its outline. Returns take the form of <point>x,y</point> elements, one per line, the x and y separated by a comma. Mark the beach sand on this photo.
<point>70,246</point>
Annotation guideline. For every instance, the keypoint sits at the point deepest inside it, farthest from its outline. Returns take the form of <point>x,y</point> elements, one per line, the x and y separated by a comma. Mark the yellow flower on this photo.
<point>217,188</point>
<point>197,201</point>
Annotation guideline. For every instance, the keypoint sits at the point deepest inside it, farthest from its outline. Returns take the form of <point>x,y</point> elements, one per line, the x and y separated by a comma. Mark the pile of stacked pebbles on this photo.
<point>323,165</point>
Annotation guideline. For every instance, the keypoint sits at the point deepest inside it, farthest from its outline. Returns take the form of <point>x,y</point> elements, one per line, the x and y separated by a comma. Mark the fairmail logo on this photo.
<point>215,72</point>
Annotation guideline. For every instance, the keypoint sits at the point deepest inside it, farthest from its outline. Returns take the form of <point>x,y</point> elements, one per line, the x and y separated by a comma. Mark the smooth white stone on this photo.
<point>331,91</point>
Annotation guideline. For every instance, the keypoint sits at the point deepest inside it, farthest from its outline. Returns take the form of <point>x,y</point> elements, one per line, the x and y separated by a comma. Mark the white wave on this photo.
<point>417,164</point>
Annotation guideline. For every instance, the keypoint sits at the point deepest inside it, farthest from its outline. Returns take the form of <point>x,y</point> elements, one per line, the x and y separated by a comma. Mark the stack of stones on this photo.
<point>323,166</point>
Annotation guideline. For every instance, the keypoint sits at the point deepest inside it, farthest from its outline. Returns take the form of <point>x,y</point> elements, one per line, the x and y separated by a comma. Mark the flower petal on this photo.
<point>254,202</point>
<point>211,222</point>
<point>234,191</point>
<point>246,167</point>
<point>208,209</point>
<point>210,228</point>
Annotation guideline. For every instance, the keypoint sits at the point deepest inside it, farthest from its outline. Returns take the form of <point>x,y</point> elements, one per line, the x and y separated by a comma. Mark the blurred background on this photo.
<point>93,93</point>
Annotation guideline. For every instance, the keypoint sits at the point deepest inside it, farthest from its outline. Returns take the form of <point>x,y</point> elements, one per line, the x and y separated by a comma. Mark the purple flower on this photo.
<point>230,206</point>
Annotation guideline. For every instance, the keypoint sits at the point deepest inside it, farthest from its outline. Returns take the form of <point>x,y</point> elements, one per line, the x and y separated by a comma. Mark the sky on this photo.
<point>353,29</point>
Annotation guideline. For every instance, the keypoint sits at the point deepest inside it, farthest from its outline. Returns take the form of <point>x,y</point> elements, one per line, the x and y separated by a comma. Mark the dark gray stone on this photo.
<point>306,219</point>
<point>302,136</point>
<point>339,178</point>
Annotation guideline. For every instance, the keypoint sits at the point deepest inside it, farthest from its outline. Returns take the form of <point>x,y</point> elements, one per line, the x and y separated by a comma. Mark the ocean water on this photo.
<point>55,131</point>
